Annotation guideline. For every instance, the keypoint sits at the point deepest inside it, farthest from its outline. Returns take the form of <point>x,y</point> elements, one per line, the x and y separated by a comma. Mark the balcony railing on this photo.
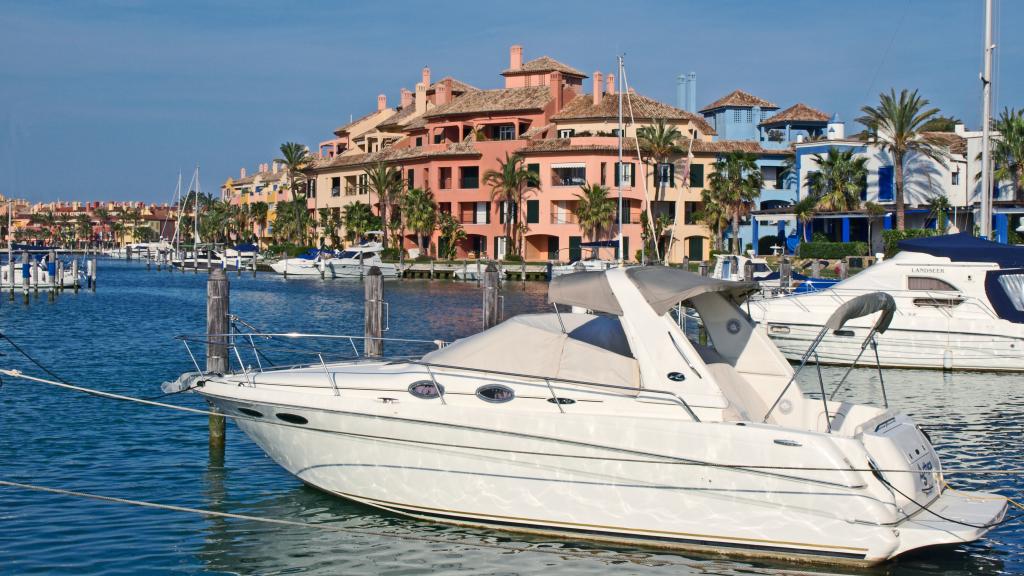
<point>354,190</point>
<point>567,218</point>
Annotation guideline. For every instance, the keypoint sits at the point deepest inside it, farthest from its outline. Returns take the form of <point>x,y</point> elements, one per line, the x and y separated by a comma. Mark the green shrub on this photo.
<point>832,250</point>
<point>513,258</point>
<point>891,238</point>
<point>390,254</point>
<point>288,250</point>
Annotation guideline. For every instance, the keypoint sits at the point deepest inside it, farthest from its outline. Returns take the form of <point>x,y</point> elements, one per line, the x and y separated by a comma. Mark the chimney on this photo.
<point>691,91</point>
<point>406,98</point>
<point>597,88</point>
<point>515,57</point>
<point>241,173</point>
<point>610,84</point>
<point>442,93</point>
<point>421,98</point>
<point>273,166</point>
<point>555,86</point>
<point>382,102</point>
<point>426,77</point>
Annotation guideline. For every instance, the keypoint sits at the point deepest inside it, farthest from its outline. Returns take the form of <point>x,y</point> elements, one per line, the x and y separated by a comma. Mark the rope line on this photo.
<point>325,527</point>
<point>666,459</point>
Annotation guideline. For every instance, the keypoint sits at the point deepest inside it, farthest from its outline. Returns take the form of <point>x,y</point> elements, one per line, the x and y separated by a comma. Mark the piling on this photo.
<point>74,274</point>
<point>128,253</point>
<point>58,283</point>
<point>522,271</point>
<point>26,271</point>
<point>491,296</point>
<point>431,269</point>
<point>703,268</point>
<point>253,266</point>
<point>465,270</point>
<point>11,268</point>
<point>149,259</point>
<point>748,270</point>
<point>92,274</point>
<point>51,271</point>
<point>217,307</point>
<point>686,262</point>
<point>785,273</point>
<point>372,344</point>
<point>209,261</point>
<point>815,268</point>
<point>844,269</point>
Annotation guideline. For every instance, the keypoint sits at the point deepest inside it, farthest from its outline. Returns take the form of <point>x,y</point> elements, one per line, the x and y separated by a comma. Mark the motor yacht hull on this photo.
<point>591,474</point>
<point>348,269</point>
<point>299,267</point>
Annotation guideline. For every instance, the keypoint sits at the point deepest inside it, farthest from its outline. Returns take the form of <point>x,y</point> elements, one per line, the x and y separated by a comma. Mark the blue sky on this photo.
<point>110,99</point>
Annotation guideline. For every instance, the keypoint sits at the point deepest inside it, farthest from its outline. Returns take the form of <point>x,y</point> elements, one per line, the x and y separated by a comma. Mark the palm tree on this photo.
<point>713,215</point>
<point>295,158</point>
<point>323,223</point>
<point>896,126</point>
<point>839,180</point>
<point>1008,149</point>
<point>386,182</point>
<point>358,219</point>
<point>734,184</point>
<point>258,212</point>
<point>83,227</point>
<point>660,141</point>
<point>595,209</point>
<point>804,210</point>
<point>940,211</point>
<point>420,212</point>
<point>510,184</point>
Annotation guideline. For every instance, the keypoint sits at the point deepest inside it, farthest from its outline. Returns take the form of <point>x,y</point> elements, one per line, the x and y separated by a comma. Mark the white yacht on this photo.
<point>140,250</point>
<point>959,305</point>
<point>354,262</point>
<point>592,265</point>
<point>732,267</point>
<point>39,275</point>
<point>612,426</point>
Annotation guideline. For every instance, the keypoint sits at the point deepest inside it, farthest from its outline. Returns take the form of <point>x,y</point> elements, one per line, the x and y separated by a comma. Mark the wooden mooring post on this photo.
<point>748,270</point>
<point>26,271</point>
<point>704,268</point>
<point>785,273</point>
<point>74,274</point>
<point>374,307</point>
<point>815,268</point>
<point>11,269</point>
<point>491,296</point>
<point>92,274</point>
<point>217,307</point>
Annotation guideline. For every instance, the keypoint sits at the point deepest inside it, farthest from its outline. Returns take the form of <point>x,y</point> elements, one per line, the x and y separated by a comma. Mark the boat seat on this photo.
<point>745,404</point>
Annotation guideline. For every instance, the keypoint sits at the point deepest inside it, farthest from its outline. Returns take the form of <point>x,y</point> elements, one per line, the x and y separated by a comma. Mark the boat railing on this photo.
<point>243,345</point>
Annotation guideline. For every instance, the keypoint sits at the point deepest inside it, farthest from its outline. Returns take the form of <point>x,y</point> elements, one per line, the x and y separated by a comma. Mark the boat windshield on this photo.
<point>761,267</point>
<point>1005,291</point>
<point>349,255</point>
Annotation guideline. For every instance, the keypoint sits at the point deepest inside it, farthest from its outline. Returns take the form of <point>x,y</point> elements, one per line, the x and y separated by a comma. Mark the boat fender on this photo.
<point>947,360</point>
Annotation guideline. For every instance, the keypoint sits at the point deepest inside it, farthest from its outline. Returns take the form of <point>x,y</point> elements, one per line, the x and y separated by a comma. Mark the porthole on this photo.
<point>676,376</point>
<point>495,393</point>
<point>251,412</point>
<point>733,326</point>
<point>426,389</point>
<point>561,400</point>
<point>291,418</point>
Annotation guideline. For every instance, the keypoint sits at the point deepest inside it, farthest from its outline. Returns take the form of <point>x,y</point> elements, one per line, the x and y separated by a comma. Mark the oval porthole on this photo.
<point>495,393</point>
<point>251,412</point>
<point>676,376</point>
<point>291,418</point>
<point>426,389</point>
<point>561,400</point>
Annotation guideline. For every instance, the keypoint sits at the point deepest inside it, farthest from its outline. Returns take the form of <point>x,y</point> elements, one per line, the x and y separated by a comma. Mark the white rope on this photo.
<point>643,165</point>
<point>666,460</point>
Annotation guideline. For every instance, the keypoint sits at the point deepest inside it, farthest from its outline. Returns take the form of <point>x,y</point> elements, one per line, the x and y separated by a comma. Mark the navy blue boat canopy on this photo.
<point>247,248</point>
<point>964,247</point>
<point>600,244</point>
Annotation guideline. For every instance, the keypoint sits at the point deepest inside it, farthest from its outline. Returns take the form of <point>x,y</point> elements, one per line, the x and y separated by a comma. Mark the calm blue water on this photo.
<point>120,339</point>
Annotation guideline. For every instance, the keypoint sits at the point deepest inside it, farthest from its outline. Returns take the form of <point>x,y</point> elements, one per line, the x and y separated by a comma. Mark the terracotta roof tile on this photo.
<point>345,127</point>
<point>797,113</point>
<point>724,146</point>
<point>552,145</point>
<point>957,144</point>
<point>502,100</point>
<point>644,108</point>
<point>739,98</point>
<point>394,155</point>
<point>457,85</point>
<point>544,64</point>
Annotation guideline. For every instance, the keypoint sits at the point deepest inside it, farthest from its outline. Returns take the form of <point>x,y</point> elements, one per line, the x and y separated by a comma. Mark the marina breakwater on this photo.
<point>121,339</point>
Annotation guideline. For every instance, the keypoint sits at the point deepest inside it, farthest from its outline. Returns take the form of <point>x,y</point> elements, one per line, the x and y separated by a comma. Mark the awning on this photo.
<point>569,165</point>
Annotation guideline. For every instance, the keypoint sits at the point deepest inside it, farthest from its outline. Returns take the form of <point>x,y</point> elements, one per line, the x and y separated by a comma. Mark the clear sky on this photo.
<point>108,100</point>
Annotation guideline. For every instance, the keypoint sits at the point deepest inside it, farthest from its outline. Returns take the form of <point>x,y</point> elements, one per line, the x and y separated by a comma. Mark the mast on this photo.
<point>177,223</point>
<point>986,120</point>
<point>195,221</point>
<point>619,169</point>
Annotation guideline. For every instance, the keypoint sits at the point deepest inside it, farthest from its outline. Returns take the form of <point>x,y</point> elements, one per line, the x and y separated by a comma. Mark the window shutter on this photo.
<point>532,211</point>
<point>488,213</point>
<point>632,175</point>
<point>671,175</point>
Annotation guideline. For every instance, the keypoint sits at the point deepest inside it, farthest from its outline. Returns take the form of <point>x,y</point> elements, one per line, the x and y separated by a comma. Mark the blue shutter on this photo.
<point>886,180</point>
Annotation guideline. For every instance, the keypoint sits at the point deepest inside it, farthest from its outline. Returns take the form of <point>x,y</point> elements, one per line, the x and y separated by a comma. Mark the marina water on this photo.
<point>120,339</point>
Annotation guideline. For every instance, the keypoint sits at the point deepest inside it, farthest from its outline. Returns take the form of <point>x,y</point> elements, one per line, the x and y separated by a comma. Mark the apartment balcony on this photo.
<point>568,218</point>
<point>356,190</point>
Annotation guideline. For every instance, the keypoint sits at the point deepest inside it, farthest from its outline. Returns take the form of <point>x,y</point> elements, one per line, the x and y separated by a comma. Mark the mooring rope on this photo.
<point>665,459</point>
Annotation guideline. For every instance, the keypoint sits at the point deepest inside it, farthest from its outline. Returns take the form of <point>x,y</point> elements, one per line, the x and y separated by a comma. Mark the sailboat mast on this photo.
<point>986,120</point>
<point>619,173</point>
<point>195,221</point>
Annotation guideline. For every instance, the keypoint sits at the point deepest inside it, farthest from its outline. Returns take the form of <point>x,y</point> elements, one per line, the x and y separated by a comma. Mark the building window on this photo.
<point>696,175</point>
<point>419,141</point>
<point>335,187</point>
<point>667,174</point>
<point>663,209</point>
<point>955,178</point>
<point>469,177</point>
<point>885,183</point>
<point>750,115</point>
<point>532,211</point>
<point>445,178</point>
<point>364,184</point>
<point>566,133</point>
<point>439,138</point>
<point>311,188</point>
<point>504,132</point>
<point>481,213</point>
<point>604,171</point>
<point>625,175</point>
<point>569,175</point>
<point>691,212</point>
<point>534,170</point>
<point>737,115</point>
<point>411,178</point>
